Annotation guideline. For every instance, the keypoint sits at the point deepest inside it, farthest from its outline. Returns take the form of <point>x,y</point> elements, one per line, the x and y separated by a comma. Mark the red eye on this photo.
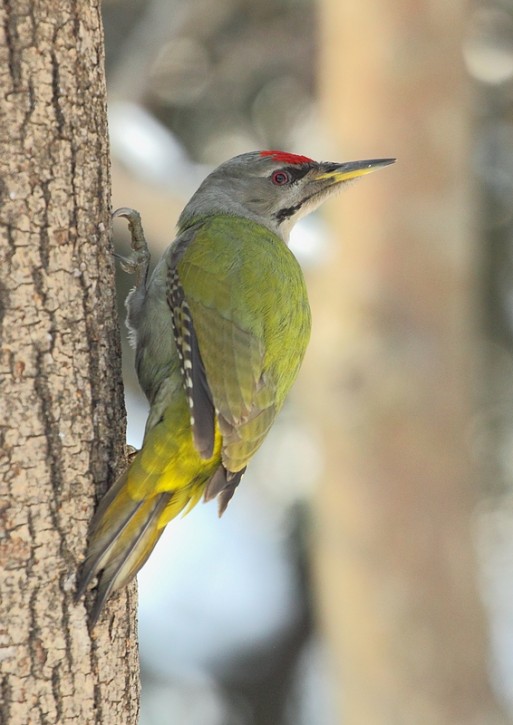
<point>280,178</point>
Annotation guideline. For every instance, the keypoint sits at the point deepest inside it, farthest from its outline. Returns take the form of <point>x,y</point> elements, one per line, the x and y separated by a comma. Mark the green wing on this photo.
<point>245,401</point>
<point>251,321</point>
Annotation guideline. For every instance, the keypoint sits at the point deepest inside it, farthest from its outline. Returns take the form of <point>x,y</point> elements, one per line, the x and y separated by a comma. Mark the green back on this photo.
<point>249,307</point>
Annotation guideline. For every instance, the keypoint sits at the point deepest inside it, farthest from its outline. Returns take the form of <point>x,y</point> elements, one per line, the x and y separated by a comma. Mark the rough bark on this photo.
<point>395,308</point>
<point>62,420</point>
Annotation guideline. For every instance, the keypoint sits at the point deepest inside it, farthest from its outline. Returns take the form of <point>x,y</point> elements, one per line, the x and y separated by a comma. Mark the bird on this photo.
<point>220,329</point>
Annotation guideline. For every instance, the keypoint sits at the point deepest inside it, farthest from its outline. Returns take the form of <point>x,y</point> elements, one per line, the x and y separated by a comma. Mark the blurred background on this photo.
<point>362,575</point>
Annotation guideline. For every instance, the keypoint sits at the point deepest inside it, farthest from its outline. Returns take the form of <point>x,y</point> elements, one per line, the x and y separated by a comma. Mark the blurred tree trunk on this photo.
<point>391,373</point>
<point>62,422</point>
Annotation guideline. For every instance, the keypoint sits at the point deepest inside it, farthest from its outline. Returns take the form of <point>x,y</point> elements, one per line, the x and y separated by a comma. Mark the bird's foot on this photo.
<point>138,261</point>
<point>131,453</point>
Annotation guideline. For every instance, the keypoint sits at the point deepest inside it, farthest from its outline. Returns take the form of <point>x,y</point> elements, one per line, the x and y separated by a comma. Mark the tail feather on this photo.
<point>161,482</point>
<point>125,561</point>
<point>123,534</point>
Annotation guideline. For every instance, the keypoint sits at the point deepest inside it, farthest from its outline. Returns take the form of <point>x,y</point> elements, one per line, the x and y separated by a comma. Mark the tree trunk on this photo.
<point>62,421</point>
<point>392,381</point>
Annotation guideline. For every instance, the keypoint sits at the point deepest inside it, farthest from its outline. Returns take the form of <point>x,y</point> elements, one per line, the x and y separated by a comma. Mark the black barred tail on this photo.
<point>123,535</point>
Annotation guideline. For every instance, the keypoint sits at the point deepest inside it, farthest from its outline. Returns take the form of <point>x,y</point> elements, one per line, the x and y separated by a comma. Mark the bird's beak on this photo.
<point>339,173</point>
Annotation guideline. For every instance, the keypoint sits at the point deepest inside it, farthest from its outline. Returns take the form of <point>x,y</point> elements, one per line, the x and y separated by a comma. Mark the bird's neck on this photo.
<point>206,206</point>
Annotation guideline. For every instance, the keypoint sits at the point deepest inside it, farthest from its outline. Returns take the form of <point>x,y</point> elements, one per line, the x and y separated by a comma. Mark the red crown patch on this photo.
<point>285,158</point>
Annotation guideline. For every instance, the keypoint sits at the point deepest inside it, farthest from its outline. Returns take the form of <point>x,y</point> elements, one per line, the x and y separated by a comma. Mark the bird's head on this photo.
<point>273,188</point>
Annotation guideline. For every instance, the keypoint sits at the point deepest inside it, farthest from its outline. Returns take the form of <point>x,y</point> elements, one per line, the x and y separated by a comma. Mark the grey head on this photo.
<point>273,188</point>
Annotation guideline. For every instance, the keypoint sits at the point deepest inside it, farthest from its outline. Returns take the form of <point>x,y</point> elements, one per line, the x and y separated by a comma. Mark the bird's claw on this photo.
<point>138,261</point>
<point>131,453</point>
<point>131,264</point>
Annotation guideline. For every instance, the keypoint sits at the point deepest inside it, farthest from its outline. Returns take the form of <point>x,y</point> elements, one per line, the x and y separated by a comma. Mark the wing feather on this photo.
<point>242,328</point>
<point>199,397</point>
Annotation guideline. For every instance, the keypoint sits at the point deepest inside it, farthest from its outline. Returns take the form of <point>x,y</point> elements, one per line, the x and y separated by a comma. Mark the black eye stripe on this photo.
<point>295,173</point>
